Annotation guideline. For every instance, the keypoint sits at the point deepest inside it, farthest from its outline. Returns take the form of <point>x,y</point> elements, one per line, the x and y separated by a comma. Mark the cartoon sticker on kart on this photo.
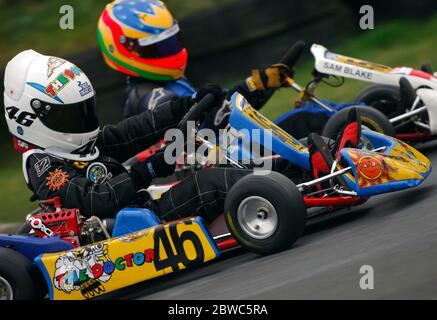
<point>82,270</point>
<point>372,170</point>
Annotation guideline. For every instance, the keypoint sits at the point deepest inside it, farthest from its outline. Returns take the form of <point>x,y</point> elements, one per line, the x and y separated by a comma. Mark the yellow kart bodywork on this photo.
<point>106,266</point>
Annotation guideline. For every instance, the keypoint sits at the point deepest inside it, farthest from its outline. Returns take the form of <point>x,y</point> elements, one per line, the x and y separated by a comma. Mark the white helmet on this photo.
<point>49,102</point>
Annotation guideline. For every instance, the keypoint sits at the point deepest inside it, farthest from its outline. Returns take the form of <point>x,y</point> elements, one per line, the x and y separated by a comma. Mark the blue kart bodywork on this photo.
<point>312,107</point>
<point>253,125</point>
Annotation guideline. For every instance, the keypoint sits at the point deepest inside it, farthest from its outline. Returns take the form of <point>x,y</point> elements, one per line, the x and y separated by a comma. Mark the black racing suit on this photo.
<point>94,194</point>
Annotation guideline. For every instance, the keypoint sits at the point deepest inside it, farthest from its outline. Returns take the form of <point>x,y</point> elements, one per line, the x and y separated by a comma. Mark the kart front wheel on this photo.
<point>17,276</point>
<point>370,119</point>
<point>265,213</point>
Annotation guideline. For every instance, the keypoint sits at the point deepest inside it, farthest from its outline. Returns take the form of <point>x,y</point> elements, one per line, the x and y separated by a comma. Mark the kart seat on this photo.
<point>320,156</point>
<point>426,67</point>
<point>328,141</point>
<point>321,160</point>
<point>408,95</point>
<point>351,133</point>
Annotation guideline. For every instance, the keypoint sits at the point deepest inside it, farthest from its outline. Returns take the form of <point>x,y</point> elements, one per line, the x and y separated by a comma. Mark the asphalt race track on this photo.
<point>395,233</point>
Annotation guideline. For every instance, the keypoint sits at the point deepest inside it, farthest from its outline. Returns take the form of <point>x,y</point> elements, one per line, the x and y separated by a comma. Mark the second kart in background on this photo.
<point>400,104</point>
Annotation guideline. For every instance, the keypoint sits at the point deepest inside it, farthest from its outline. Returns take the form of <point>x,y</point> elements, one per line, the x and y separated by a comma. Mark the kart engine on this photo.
<point>68,224</point>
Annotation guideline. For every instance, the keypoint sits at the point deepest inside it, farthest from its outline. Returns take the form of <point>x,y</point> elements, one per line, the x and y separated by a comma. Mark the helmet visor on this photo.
<point>80,117</point>
<point>162,49</point>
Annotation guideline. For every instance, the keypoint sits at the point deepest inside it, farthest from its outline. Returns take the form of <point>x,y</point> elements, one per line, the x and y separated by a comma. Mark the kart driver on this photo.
<point>50,110</point>
<point>141,39</point>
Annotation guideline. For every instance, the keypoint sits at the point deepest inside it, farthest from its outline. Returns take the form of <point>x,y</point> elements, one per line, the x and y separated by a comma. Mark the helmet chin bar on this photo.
<point>93,155</point>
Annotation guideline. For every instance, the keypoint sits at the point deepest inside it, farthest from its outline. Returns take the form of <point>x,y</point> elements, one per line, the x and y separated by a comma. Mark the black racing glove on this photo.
<point>142,173</point>
<point>214,89</point>
<point>219,96</point>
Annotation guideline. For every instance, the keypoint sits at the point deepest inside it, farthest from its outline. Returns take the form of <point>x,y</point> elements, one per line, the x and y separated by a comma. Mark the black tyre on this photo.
<point>19,279</point>
<point>299,125</point>
<point>384,98</point>
<point>24,229</point>
<point>265,213</point>
<point>370,118</point>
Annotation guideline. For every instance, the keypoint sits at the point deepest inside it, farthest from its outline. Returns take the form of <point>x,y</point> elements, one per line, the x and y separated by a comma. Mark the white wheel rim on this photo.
<point>257,217</point>
<point>6,292</point>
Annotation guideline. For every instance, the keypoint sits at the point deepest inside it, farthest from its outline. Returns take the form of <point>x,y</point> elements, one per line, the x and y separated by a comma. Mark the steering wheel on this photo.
<point>291,57</point>
<point>196,112</point>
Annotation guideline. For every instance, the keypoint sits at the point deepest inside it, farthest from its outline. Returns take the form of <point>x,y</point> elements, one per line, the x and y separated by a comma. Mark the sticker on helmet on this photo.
<point>52,64</point>
<point>57,179</point>
<point>59,83</point>
<point>97,173</point>
<point>20,130</point>
<point>85,88</point>
<point>22,118</point>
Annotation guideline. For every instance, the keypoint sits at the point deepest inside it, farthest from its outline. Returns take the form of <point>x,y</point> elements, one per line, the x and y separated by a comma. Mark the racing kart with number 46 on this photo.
<point>70,257</point>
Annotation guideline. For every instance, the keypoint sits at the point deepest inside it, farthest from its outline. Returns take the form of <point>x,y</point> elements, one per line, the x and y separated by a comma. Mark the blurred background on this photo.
<point>225,40</point>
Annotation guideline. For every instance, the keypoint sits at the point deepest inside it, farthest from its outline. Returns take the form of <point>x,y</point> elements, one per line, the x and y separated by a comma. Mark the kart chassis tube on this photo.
<point>345,201</point>
<point>299,89</point>
<point>408,114</point>
<point>422,136</point>
<point>305,185</point>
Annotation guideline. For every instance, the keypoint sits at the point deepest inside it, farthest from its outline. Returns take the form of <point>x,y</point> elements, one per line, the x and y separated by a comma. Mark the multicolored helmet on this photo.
<point>141,38</point>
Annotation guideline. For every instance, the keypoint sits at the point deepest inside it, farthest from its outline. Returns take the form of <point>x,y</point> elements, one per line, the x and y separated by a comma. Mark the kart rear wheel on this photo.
<point>24,229</point>
<point>382,97</point>
<point>17,277</point>
<point>265,213</point>
<point>370,119</point>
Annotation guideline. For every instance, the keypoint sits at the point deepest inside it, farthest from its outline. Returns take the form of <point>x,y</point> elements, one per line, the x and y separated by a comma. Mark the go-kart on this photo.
<point>311,114</point>
<point>73,258</point>
<point>391,94</point>
<point>327,62</point>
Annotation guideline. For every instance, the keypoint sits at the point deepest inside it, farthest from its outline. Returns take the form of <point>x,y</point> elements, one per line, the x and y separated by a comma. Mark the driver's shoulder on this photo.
<point>37,163</point>
<point>37,155</point>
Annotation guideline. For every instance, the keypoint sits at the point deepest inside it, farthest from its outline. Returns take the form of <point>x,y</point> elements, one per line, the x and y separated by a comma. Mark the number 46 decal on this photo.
<point>180,256</point>
<point>24,118</point>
